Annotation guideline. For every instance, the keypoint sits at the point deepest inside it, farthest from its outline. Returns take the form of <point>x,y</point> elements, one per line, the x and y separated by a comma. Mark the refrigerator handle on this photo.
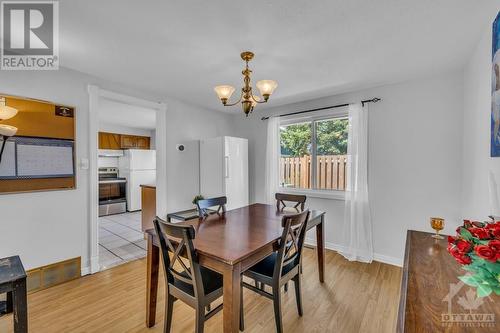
<point>226,166</point>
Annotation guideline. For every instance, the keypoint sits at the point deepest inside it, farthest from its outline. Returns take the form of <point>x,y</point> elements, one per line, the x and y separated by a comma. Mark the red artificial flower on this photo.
<point>463,259</point>
<point>467,223</point>
<point>495,245</point>
<point>460,257</point>
<point>494,229</point>
<point>486,252</point>
<point>464,246</point>
<point>451,239</point>
<point>480,233</point>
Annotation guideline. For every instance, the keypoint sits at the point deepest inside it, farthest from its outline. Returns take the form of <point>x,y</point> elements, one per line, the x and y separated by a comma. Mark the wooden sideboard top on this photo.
<point>148,185</point>
<point>425,303</point>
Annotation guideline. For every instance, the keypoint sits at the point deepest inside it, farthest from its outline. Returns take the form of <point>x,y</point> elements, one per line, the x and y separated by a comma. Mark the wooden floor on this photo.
<point>354,298</point>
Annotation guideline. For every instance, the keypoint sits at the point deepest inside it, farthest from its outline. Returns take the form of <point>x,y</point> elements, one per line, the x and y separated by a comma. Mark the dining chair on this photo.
<point>204,205</point>
<point>283,198</point>
<point>186,279</point>
<point>280,267</point>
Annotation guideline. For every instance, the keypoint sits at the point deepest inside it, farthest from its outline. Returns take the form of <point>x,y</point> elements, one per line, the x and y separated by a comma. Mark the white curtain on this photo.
<point>272,152</point>
<point>358,242</point>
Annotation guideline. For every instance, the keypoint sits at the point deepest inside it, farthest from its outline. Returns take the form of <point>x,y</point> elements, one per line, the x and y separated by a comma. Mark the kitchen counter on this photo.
<point>148,203</point>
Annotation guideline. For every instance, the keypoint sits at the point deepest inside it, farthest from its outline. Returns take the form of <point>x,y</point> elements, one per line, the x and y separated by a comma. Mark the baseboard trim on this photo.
<point>85,270</point>
<point>94,264</point>
<point>388,259</point>
<point>376,256</point>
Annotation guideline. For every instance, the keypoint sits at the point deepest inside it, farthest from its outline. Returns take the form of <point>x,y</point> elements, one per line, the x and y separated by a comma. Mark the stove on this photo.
<point>112,192</point>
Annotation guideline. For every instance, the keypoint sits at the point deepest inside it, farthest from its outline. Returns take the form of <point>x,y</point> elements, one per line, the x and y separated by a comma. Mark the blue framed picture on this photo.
<point>495,90</point>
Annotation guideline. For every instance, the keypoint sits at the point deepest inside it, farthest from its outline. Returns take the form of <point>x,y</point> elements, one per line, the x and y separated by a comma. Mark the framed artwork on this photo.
<point>495,90</point>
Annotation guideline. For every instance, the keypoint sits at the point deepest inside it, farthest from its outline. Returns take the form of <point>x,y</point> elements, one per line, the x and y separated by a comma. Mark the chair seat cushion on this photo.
<point>266,266</point>
<point>211,281</point>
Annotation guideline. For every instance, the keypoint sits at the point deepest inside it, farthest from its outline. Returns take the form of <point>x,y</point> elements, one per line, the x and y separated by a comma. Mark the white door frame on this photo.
<point>95,93</point>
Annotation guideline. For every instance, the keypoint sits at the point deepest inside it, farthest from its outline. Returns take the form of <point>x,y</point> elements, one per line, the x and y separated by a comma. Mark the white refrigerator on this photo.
<point>138,166</point>
<point>224,170</point>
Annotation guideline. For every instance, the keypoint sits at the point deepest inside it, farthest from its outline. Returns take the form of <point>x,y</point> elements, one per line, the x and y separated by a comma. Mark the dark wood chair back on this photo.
<point>182,250</point>
<point>283,198</point>
<point>204,205</point>
<point>291,241</point>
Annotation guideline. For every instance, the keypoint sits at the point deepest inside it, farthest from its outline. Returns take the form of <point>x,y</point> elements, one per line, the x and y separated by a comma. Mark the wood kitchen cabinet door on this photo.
<point>128,141</point>
<point>109,140</point>
<point>143,142</point>
<point>135,142</point>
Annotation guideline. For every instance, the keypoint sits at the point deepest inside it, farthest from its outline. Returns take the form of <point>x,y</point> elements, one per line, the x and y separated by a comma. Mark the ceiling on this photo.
<point>183,49</point>
<point>115,113</point>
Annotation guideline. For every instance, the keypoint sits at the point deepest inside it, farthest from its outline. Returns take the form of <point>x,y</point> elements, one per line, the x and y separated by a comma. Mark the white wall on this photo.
<point>152,141</point>
<point>188,123</point>
<point>477,163</point>
<point>47,227</point>
<point>414,162</point>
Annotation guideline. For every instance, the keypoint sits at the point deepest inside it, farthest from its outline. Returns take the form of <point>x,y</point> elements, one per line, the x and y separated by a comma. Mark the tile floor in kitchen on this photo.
<point>120,239</point>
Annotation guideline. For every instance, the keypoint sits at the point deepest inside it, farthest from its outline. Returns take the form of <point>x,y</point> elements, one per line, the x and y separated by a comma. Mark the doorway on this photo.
<point>126,160</point>
<point>115,218</point>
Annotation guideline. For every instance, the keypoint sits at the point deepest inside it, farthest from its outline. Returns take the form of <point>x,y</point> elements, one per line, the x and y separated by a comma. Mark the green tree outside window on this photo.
<point>331,138</point>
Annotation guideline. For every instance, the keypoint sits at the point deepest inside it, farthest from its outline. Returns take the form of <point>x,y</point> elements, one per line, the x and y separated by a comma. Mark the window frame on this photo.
<point>313,192</point>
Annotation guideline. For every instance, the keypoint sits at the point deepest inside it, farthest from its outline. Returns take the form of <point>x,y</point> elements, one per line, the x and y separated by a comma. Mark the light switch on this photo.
<point>84,163</point>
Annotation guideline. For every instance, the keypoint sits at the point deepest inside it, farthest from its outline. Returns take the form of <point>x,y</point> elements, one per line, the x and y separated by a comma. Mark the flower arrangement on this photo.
<point>477,248</point>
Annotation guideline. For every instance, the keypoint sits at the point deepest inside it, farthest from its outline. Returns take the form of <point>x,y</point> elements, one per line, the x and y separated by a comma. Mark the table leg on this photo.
<point>153,263</point>
<point>231,298</point>
<point>320,247</point>
<point>20,306</point>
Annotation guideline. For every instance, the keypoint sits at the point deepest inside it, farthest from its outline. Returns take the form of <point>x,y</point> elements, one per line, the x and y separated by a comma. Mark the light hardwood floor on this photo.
<point>355,298</point>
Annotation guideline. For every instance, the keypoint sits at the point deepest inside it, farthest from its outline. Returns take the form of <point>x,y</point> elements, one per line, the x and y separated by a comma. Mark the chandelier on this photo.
<point>247,98</point>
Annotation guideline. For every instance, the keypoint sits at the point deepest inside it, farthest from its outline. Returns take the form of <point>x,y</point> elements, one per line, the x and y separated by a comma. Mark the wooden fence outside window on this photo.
<point>295,172</point>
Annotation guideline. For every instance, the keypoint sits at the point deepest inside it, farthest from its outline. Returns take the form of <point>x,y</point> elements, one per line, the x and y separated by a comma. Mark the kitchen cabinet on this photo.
<point>128,141</point>
<point>143,142</point>
<point>123,141</point>
<point>148,203</point>
<point>134,142</point>
<point>109,140</point>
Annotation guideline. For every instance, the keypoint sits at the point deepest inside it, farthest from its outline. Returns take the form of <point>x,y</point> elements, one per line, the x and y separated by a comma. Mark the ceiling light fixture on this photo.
<point>247,98</point>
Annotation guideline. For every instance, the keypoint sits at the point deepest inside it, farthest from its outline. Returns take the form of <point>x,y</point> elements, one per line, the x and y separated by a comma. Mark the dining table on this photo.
<point>230,243</point>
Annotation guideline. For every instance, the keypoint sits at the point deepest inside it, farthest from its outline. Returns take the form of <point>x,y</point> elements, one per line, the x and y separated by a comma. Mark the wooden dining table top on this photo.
<point>237,234</point>
<point>433,299</point>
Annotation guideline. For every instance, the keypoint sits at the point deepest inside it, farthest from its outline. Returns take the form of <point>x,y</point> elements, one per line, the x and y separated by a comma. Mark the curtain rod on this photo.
<point>373,100</point>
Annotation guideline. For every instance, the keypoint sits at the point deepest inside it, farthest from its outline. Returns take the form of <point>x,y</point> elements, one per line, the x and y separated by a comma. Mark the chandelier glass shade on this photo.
<point>6,131</point>
<point>6,112</point>
<point>247,99</point>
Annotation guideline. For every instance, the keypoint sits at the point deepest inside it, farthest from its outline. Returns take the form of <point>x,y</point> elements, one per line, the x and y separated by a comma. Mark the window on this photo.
<point>313,154</point>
